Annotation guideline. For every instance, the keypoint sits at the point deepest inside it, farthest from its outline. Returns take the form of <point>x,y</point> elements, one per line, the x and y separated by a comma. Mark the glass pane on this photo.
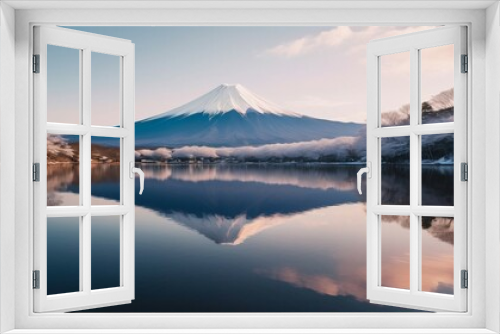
<point>395,241</point>
<point>437,254</point>
<point>395,180</point>
<point>63,170</point>
<point>105,252</point>
<point>105,187</point>
<point>395,89</point>
<point>63,255</point>
<point>63,85</point>
<point>437,83</point>
<point>437,169</point>
<point>105,89</point>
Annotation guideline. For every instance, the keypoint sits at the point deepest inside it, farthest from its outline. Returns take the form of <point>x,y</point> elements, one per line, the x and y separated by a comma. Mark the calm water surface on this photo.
<point>254,238</point>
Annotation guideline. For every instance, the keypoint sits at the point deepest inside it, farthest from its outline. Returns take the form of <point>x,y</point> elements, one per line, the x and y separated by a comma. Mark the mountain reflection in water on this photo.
<point>263,238</point>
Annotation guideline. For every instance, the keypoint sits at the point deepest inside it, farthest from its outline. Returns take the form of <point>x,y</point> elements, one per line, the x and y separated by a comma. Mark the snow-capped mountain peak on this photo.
<point>226,98</point>
<point>231,116</point>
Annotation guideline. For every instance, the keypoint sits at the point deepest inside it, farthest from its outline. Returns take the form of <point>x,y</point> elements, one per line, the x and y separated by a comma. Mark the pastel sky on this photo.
<point>315,71</point>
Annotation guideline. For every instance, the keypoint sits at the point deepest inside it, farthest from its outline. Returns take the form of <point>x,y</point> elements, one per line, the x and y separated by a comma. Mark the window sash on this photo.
<point>413,298</point>
<point>86,297</point>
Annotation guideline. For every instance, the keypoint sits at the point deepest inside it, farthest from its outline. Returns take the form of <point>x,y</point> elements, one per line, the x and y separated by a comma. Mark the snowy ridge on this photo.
<point>226,98</point>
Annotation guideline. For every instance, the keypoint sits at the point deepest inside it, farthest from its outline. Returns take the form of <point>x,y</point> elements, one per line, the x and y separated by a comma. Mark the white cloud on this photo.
<point>354,39</point>
<point>343,148</point>
<point>332,37</point>
<point>157,154</point>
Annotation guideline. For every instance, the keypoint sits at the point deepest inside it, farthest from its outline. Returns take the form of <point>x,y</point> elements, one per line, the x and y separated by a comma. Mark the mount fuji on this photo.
<point>230,116</point>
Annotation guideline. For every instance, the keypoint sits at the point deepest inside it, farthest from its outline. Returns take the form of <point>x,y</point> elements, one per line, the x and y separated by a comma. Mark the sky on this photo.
<point>316,71</point>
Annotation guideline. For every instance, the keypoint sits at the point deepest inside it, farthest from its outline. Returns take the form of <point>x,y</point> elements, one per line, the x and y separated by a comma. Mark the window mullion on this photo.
<point>392,131</point>
<point>67,129</point>
<point>85,250</point>
<point>101,131</point>
<point>67,211</point>
<point>434,128</point>
<point>85,161</point>
<point>414,171</point>
<point>418,129</point>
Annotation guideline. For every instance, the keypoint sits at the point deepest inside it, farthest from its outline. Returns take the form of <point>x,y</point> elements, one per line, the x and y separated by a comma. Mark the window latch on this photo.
<point>368,171</point>
<point>134,170</point>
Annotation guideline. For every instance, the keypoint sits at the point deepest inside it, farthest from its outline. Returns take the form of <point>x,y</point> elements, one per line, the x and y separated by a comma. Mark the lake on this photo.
<point>254,237</point>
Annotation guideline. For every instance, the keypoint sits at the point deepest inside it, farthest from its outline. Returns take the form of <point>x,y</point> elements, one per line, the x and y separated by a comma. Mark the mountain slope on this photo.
<point>232,116</point>
<point>226,98</point>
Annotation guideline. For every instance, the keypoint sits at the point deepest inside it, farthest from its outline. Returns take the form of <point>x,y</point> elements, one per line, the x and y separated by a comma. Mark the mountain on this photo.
<point>228,209</point>
<point>232,124</point>
<point>230,116</point>
<point>227,230</point>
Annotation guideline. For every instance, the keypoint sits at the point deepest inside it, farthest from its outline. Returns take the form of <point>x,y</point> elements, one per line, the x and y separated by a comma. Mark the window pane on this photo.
<point>105,89</point>
<point>105,252</point>
<point>395,241</point>
<point>437,83</point>
<point>437,169</point>
<point>395,89</point>
<point>437,254</point>
<point>63,170</point>
<point>63,255</point>
<point>63,85</point>
<point>395,180</point>
<point>105,187</point>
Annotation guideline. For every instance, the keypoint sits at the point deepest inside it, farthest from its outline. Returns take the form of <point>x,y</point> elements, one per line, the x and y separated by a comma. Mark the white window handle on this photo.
<point>134,170</point>
<point>368,171</point>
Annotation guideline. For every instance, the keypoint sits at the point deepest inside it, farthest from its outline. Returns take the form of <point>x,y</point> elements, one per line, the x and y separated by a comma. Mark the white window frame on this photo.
<point>412,44</point>
<point>483,312</point>
<point>86,44</point>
